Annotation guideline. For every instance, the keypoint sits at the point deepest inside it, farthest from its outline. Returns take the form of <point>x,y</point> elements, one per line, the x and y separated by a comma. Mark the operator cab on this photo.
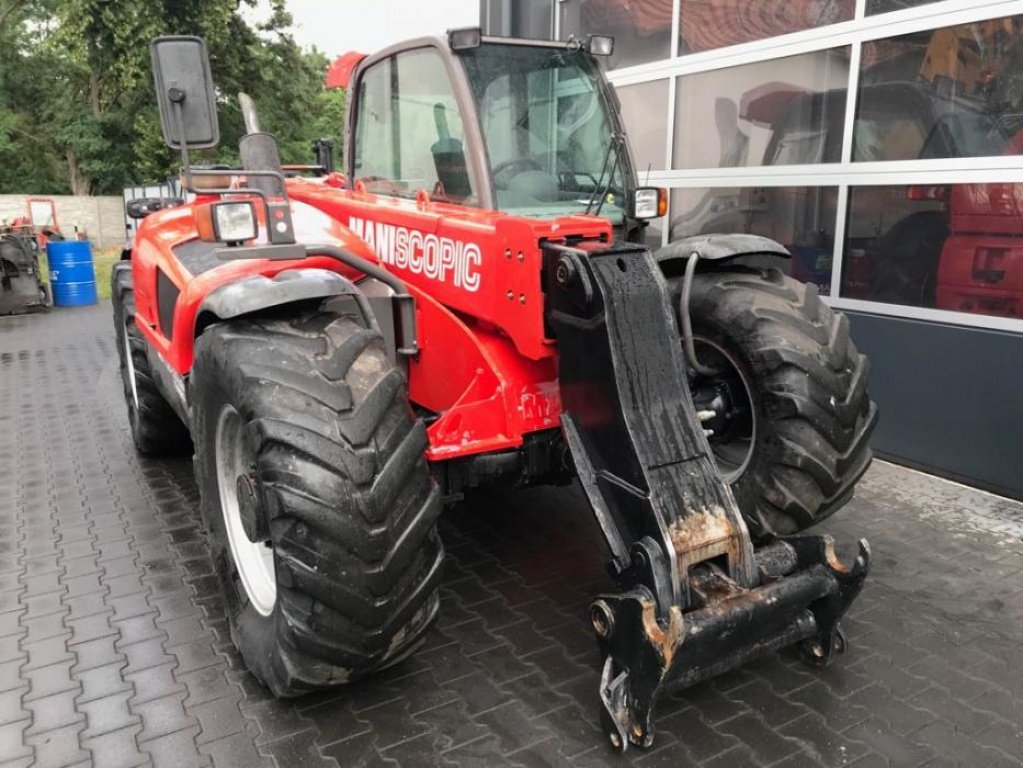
<point>526,127</point>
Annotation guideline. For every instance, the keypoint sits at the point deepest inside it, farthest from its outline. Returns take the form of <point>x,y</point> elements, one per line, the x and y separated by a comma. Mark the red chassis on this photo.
<point>484,361</point>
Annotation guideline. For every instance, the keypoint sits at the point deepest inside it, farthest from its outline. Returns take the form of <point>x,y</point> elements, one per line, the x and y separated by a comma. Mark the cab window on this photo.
<point>547,129</point>
<point>409,134</point>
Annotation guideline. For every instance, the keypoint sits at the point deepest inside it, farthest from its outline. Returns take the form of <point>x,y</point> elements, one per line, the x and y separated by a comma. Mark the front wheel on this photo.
<point>156,429</point>
<point>317,497</point>
<point>791,414</point>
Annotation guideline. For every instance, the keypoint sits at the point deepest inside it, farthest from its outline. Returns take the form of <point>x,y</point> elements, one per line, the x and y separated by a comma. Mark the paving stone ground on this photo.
<point>114,649</point>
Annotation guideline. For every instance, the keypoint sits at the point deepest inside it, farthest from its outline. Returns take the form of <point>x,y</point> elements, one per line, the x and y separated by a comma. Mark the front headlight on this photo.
<point>649,203</point>
<point>234,222</point>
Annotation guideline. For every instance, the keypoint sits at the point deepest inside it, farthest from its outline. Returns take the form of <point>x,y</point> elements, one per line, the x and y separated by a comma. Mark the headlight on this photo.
<point>649,203</point>
<point>234,222</point>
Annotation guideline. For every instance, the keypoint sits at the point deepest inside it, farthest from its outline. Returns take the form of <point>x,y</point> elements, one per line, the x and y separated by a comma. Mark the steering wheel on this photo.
<point>527,164</point>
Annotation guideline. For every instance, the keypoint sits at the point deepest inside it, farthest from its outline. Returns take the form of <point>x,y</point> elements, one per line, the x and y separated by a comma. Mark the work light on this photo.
<point>465,39</point>
<point>600,45</point>
<point>649,203</point>
<point>234,222</point>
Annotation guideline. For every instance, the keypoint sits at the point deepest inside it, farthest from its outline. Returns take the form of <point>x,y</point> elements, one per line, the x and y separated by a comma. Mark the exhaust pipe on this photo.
<point>249,114</point>
<point>258,150</point>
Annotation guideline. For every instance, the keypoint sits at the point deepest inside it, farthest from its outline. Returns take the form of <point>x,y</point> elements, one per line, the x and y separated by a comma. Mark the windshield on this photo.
<point>547,130</point>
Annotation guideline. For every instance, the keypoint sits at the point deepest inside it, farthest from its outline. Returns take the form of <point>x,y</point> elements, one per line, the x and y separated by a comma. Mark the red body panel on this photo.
<point>339,73</point>
<point>160,232</point>
<point>501,254</point>
<point>484,365</point>
<point>981,266</point>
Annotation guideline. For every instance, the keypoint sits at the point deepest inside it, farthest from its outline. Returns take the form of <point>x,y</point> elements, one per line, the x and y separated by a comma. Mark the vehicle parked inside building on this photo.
<point>951,247</point>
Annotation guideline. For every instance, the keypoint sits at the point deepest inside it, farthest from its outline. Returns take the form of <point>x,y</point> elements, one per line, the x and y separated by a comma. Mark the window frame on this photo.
<point>845,174</point>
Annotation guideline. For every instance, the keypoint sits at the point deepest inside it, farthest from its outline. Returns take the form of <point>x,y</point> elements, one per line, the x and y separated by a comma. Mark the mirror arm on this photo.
<point>177,97</point>
<point>275,211</point>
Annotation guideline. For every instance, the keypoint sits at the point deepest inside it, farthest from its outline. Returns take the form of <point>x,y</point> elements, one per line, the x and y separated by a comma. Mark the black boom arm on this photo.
<point>697,599</point>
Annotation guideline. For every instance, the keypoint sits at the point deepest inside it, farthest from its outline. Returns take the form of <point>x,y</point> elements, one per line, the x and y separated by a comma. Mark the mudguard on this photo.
<point>258,292</point>
<point>718,247</point>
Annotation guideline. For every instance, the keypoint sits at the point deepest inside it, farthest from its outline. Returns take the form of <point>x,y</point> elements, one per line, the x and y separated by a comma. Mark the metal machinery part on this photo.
<point>697,599</point>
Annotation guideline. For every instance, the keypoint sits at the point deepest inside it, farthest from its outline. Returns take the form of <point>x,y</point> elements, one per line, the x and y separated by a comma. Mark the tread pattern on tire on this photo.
<point>816,412</point>
<point>156,428</point>
<point>350,501</point>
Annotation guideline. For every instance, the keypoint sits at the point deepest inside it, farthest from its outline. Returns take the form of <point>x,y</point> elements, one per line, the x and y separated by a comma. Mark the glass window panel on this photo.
<point>522,18</point>
<point>409,134</point>
<point>800,218</point>
<point>777,112</point>
<point>957,247</point>
<point>42,213</point>
<point>885,6</point>
<point>708,24</point>
<point>950,92</point>
<point>645,114</point>
<point>532,18</point>
<point>547,129</point>
<point>641,28</point>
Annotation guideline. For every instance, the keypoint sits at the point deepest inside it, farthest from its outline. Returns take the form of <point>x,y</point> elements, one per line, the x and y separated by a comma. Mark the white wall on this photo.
<point>101,218</point>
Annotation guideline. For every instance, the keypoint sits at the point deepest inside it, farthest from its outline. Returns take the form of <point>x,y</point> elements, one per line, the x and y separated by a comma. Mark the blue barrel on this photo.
<point>72,277</point>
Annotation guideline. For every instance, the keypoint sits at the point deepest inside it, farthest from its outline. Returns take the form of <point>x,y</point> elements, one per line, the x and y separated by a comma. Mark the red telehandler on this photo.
<point>469,303</point>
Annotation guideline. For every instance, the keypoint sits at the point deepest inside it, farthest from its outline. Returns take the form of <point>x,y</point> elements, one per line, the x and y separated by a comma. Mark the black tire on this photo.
<point>811,415</point>
<point>155,427</point>
<point>345,495</point>
<point>905,270</point>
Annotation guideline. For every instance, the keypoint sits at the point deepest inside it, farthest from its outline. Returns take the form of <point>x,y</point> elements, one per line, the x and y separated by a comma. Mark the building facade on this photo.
<point>882,142</point>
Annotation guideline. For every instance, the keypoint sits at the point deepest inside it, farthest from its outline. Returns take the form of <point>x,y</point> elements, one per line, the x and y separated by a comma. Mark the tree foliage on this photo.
<point>77,109</point>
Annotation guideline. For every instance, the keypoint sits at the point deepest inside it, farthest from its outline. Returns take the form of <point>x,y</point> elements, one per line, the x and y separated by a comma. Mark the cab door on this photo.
<point>410,131</point>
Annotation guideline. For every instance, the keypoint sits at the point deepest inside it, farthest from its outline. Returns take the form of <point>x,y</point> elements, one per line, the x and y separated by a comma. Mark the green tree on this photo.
<point>77,109</point>
<point>28,158</point>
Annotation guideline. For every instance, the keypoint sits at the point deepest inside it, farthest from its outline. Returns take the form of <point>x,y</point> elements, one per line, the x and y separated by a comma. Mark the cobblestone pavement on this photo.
<point>114,649</point>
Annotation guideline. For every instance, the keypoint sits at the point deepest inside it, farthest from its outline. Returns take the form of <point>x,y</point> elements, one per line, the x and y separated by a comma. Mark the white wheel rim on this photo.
<point>129,364</point>
<point>253,560</point>
<point>730,466</point>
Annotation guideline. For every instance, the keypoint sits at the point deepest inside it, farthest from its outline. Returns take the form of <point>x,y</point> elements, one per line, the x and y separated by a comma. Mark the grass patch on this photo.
<point>103,261</point>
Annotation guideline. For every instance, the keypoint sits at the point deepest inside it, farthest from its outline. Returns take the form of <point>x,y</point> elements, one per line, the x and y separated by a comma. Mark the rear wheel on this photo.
<point>906,268</point>
<point>155,427</point>
<point>792,417</point>
<point>317,497</point>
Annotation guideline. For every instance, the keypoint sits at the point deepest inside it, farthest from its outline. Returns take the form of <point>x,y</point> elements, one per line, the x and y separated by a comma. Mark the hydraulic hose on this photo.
<point>687,323</point>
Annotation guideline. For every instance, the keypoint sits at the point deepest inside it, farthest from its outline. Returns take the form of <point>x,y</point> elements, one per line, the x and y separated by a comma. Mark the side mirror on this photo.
<point>185,92</point>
